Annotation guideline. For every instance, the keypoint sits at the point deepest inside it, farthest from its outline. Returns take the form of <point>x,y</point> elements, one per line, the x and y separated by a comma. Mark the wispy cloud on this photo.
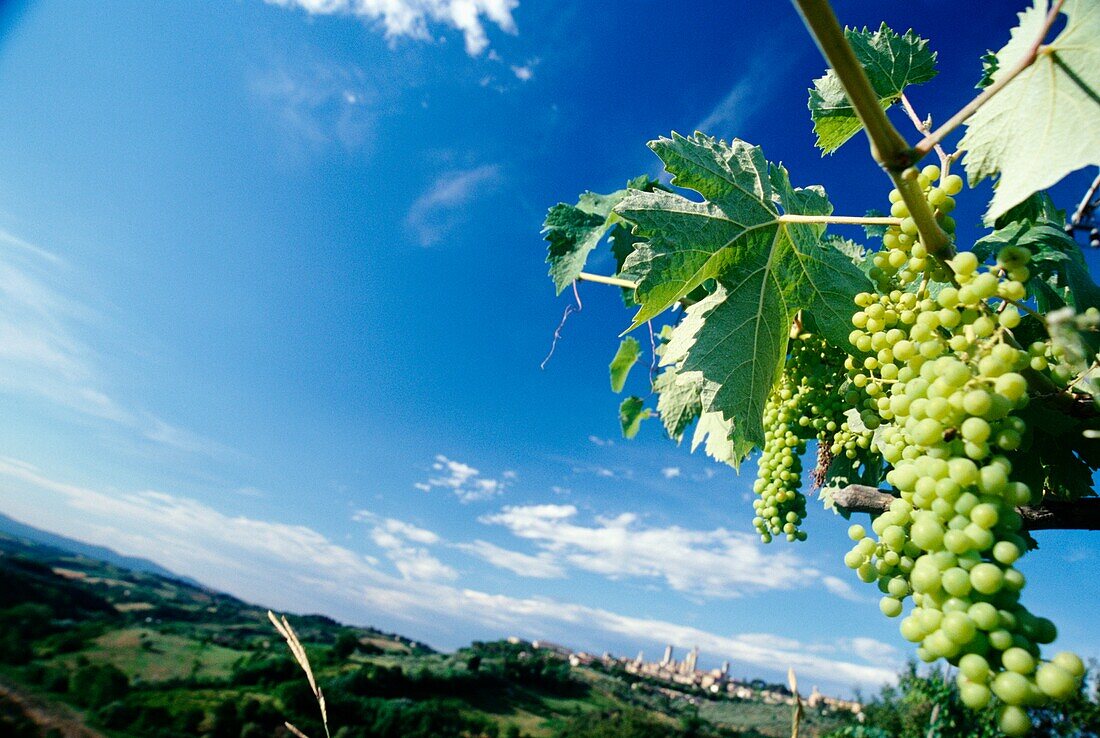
<point>411,18</point>
<point>466,482</point>
<point>539,566</point>
<point>713,563</point>
<point>749,95</point>
<point>12,240</point>
<point>670,472</point>
<point>296,568</point>
<point>439,210</point>
<point>319,104</point>
<point>44,352</point>
<point>841,588</point>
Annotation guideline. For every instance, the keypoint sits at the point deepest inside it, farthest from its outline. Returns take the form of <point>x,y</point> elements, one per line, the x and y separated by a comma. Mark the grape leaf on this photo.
<point>678,401</point>
<point>1045,123</point>
<point>625,359</point>
<point>632,412</point>
<point>719,440</point>
<point>765,269</point>
<point>892,62</point>
<point>690,242</point>
<point>1059,274</point>
<point>989,68</point>
<point>574,230</point>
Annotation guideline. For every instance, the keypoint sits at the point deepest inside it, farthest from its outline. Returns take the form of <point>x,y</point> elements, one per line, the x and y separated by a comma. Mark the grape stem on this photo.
<point>1083,514</point>
<point>924,127</point>
<point>888,147</point>
<point>935,137</point>
<point>613,281</point>
<point>840,219</point>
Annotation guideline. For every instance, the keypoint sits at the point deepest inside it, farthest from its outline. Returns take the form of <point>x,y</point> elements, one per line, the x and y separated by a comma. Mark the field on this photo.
<point>109,651</point>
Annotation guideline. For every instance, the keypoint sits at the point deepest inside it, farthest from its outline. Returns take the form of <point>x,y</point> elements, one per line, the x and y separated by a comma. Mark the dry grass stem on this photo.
<point>283,626</point>
<point>796,720</point>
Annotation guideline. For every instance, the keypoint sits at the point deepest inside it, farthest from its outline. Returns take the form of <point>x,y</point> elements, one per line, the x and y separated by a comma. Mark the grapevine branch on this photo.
<point>888,147</point>
<point>923,127</point>
<point>1083,514</point>
<point>935,137</point>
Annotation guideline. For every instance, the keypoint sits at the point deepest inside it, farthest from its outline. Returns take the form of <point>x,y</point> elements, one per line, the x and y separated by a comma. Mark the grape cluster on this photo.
<point>941,373</point>
<point>804,405</point>
<point>904,258</point>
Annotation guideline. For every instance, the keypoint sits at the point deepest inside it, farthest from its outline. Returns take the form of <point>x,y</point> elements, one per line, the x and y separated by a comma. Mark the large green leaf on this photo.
<point>891,62</point>
<point>689,243</point>
<point>764,270</point>
<point>1045,123</point>
<point>625,359</point>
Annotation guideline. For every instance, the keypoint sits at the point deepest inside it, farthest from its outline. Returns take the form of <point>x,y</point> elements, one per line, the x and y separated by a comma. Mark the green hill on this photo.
<point>91,648</point>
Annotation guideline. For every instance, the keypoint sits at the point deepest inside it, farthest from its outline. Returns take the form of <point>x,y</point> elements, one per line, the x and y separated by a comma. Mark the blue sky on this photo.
<point>272,308</point>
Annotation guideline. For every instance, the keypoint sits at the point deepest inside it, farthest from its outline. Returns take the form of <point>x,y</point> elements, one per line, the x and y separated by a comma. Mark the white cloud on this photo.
<point>410,18</point>
<point>42,353</point>
<point>600,441</point>
<point>295,568</point>
<point>841,588</point>
<point>714,563</point>
<point>439,210</point>
<point>670,472</point>
<point>523,73</point>
<point>540,566</point>
<point>394,538</point>
<point>464,480</point>
<point>875,652</point>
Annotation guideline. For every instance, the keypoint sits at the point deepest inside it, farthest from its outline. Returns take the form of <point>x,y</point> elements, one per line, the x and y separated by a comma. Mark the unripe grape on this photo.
<point>1055,682</point>
<point>1012,688</point>
<point>986,578</point>
<point>1070,662</point>
<point>984,615</point>
<point>975,668</point>
<point>890,607</point>
<point>974,696</point>
<point>1018,660</point>
<point>1013,720</point>
<point>952,184</point>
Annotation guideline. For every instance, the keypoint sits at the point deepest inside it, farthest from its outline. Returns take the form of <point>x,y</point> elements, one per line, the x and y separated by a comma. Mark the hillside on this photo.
<point>93,648</point>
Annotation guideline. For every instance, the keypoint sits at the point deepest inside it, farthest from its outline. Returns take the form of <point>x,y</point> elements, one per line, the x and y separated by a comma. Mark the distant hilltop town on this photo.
<point>686,675</point>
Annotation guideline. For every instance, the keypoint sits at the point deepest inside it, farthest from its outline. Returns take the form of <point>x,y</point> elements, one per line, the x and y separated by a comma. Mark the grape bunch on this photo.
<point>941,373</point>
<point>904,259</point>
<point>804,405</point>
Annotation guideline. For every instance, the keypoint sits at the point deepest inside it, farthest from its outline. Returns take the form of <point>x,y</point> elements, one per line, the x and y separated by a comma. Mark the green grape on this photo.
<point>1011,688</point>
<point>1018,660</point>
<point>1013,721</point>
<point>952,184</point>
<point>1055,682</point>
<point>1070,663</point>
<point>938,374</point>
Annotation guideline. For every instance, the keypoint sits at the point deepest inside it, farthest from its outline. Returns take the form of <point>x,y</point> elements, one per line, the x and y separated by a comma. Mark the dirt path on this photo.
<point>46,715</point>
